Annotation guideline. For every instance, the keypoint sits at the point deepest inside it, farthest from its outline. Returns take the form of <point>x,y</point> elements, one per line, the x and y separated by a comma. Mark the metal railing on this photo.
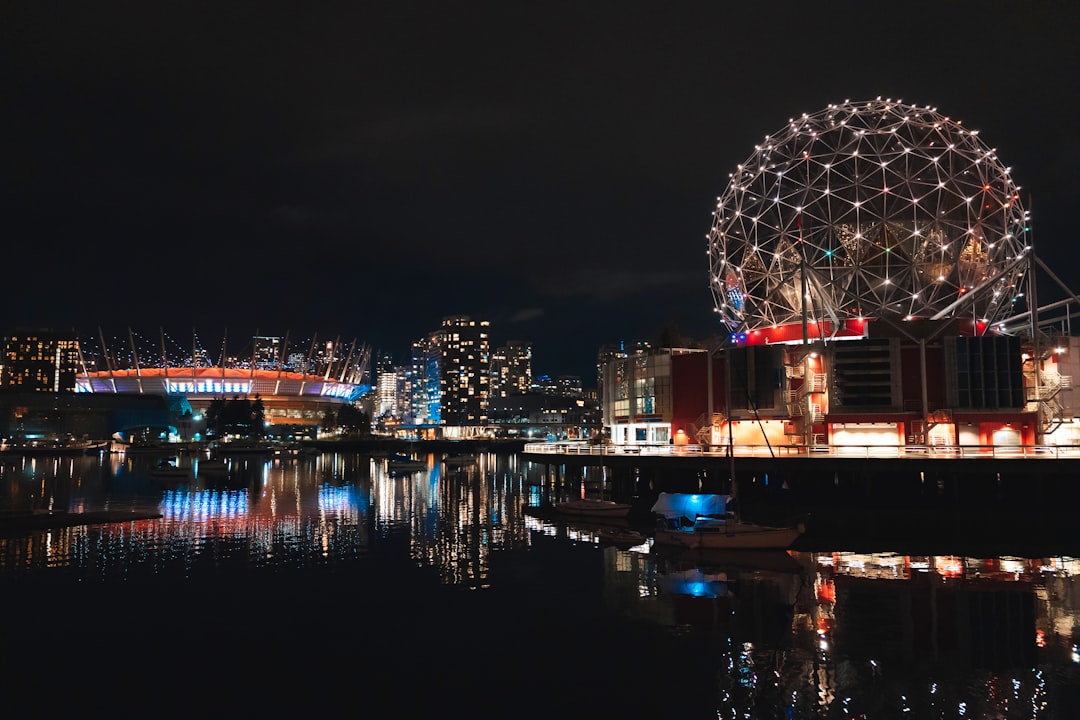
<point>943,452</point>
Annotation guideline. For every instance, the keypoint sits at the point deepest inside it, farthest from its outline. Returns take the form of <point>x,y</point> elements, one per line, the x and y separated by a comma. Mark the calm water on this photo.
<point>321,583</point>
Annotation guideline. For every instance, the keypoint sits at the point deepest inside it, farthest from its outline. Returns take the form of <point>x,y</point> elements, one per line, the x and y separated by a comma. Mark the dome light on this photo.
<point>859,236</point>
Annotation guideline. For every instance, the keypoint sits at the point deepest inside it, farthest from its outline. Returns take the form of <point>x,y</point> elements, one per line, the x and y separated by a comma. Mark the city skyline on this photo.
<point>370,170</point>
<point>131,347</point>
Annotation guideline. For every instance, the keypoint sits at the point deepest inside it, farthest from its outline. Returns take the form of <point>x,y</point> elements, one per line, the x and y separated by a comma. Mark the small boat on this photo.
<point>702,521</point>
<point>593,507</point>
<point>84,446</point>
<point>169,470</point>
<point>458,461</point>
<point>243,447</point>
<point>404,462</point>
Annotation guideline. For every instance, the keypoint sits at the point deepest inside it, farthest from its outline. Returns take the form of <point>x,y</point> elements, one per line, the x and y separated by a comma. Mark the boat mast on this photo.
<point>1036,357</point>
<point>727,412</point>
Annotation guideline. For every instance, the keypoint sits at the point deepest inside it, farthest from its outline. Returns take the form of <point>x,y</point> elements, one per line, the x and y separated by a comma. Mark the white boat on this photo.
<point>592,507</point>
<point>702,521</point>
<point>404,462</point>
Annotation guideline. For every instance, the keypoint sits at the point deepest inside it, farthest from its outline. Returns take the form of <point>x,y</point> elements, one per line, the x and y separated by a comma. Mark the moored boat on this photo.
<point>404,462</point>
<point>593,507</point>
<point>703,521</point>
<point>243,447</point>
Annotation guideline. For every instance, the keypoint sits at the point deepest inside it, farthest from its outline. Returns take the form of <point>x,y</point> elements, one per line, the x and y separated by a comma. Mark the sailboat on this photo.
<point>704,521</point>
<point>700,521</point>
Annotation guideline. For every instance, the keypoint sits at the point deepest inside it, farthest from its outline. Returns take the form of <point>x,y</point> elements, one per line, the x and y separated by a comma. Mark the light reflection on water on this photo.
<point>837,634</point>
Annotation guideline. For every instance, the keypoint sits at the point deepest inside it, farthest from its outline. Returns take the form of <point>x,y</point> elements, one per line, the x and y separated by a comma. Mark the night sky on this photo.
<point>364,169</point>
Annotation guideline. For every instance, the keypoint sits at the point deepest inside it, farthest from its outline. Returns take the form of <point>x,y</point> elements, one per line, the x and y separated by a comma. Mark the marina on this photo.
<point>474,570</point>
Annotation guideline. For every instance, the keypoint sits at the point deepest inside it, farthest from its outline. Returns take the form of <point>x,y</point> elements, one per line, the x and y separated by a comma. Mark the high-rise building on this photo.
<point>511,369</point>
<point>266,352</point>
<point>465,371</point>
<point>640,395</point>
<point>567,386</point>
<point>40,361</point>
<point>424,382</point>
<point>386,388</point>
<point>401,391</point>
<point>605,386</point>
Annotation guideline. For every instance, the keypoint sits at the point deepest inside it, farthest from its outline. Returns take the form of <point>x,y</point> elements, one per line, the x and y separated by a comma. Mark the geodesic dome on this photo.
<point>867,209</point>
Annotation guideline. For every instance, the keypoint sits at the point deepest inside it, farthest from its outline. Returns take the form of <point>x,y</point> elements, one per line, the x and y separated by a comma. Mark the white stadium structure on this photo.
<point>296,382</point>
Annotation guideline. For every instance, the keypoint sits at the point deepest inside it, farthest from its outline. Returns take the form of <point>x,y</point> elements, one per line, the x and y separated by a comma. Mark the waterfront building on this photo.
<point>873,272</point>
<point>386,389</point>
<point>609,353</point>
<point>40,360</point>
<point>511,369</point>
<point>401,392</point>
<point>886,309</point>
<point>544,417</point>
<point>646,393</point>
<point>568,386</point>
<point>425,411</point>
<point>465,375</point>
<point>457,388</point>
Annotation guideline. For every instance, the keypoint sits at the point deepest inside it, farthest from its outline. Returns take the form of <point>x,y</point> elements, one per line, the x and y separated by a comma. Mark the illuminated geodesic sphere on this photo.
<point>867,209</point>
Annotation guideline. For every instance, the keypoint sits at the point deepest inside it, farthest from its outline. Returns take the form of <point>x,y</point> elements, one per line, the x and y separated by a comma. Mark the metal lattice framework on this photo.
<point>868,209</point>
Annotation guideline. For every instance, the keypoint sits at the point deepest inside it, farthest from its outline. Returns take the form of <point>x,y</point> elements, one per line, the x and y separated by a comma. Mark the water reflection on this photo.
<point>872,635</point>
<point>293,512</point>
<point>453,518</point>
<point>778,633</point>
